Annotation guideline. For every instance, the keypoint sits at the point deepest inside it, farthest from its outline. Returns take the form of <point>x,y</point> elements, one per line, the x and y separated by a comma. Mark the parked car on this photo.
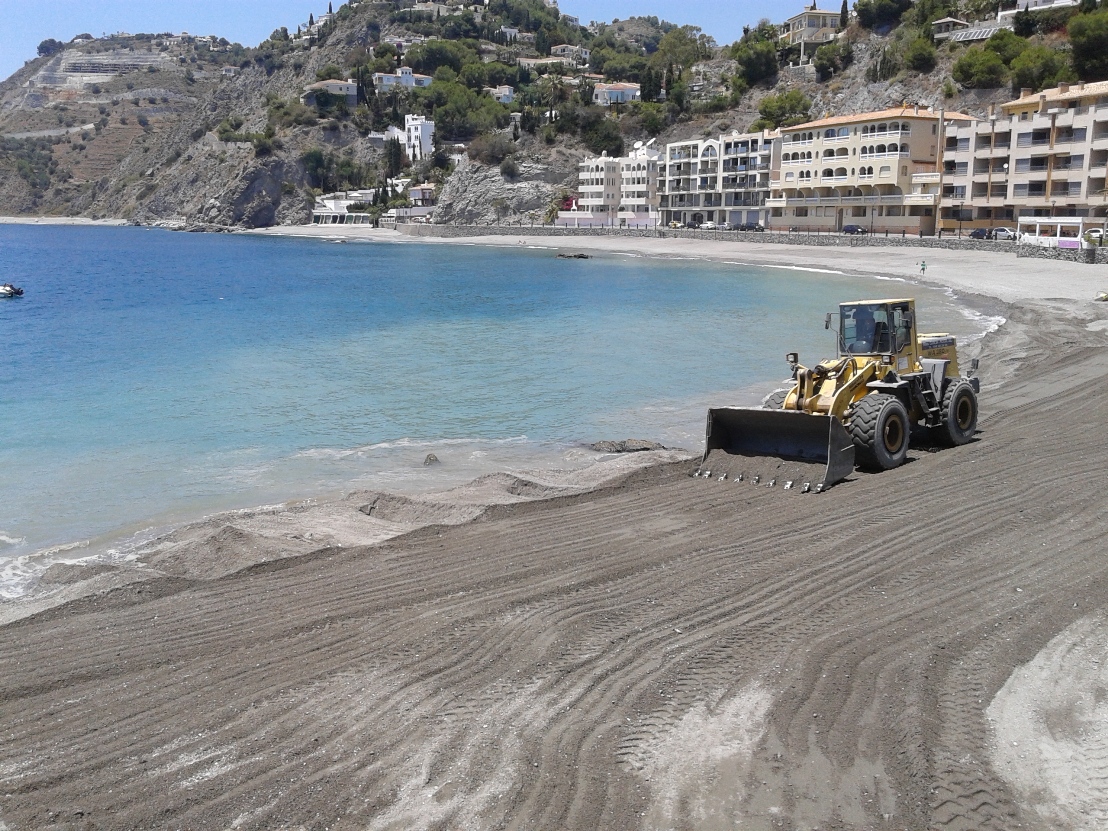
<point>1095,236</point>
<point>854,229</point>
<point>727,226</point>
<point>1005,234</point>
<point>709,226</point>
<point>692,226</point>
<point>750,226</point>
<point>676,225</point>
<point>979,233</point>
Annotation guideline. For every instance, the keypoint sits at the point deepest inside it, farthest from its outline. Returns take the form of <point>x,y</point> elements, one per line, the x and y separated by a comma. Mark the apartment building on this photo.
<point>718,180</point>
<point>880,170</point>
<point>1044,154</point>
<point>617,191</point>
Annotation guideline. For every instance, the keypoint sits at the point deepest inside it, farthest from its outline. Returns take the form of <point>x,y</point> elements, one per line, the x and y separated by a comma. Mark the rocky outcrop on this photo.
<point>478,193</point>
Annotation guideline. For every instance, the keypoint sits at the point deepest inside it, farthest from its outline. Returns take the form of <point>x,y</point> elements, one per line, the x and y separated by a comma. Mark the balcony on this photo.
<point>926,178</point>
<point>919,198</point>
<point>888,155</point>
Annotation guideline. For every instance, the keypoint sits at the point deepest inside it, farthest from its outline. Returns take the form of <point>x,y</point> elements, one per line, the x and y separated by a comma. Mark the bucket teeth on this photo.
<point>807,487</point>
<point>789,485</point>
<point>723,478</point>
<point>757,479</point>
<point>740,478</point>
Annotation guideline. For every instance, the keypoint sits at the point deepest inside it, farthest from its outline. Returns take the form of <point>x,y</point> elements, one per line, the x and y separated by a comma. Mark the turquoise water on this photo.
<point>152,377</point>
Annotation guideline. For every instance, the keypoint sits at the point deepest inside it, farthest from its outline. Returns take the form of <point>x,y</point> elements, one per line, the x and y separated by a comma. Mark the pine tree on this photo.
<point>311,20</point>
<point>329,9</point>
<point>844,16</point>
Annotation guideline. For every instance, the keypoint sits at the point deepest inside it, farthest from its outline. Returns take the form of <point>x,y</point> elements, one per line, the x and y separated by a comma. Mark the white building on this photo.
<point>604,95</point>
<point>510,32</point>
<point>403,77</point>
<point>617,191</point>
<point>1034,6</point>
<point>419,137</point>
<point>504,94</point>
<point>811,29</point>
<point>347,90</point>
<point>578,54</point>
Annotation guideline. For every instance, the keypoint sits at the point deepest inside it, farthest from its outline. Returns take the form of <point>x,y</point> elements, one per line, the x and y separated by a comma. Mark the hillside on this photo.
<point>199,131</point>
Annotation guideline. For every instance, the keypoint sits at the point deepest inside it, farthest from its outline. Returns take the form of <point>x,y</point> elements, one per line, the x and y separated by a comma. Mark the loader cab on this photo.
<point>877,327</point>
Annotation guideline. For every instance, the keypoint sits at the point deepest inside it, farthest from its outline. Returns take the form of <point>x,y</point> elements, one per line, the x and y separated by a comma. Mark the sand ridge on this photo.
<point>661,652</point>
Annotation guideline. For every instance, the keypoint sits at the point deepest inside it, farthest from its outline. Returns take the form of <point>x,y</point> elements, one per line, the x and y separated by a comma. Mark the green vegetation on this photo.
<point>50,47</point>
<point>783,110</point>
<point>1039,67</point>
<point>832,58</point>
<point>920,55</point>
<point>1088,35</point>
<point>874,14</point>
<point>32,159</point>
<point>980,68</point>
<point>331,172</point>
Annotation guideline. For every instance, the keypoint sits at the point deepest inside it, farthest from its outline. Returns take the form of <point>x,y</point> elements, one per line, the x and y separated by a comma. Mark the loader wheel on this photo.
<point>879,430</point>
<point>776,400</point>
<point>959,413</point>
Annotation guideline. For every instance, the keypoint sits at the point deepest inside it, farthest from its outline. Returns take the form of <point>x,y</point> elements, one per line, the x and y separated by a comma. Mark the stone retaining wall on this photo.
<point>770,237</point>
<point>1073,255</point>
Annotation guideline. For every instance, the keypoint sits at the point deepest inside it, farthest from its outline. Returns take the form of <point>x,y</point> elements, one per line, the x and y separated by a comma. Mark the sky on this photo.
<point>27,24</point>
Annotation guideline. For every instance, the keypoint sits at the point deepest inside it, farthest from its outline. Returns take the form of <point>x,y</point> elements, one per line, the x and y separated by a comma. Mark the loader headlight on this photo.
<point>886,359</point>
<point>793,357</point>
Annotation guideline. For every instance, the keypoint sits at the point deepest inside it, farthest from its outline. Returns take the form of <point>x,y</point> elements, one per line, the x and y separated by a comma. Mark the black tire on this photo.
<point>880,431</point>
<point>776,400</point>
<point>959,413</point>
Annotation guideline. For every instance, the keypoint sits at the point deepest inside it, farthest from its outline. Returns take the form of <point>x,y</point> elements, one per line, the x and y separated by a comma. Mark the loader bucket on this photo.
<point>783,434</point>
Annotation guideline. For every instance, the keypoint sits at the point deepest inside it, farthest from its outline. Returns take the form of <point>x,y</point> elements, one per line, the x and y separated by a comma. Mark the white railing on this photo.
<point>896,155</point>
<point>884,134</point>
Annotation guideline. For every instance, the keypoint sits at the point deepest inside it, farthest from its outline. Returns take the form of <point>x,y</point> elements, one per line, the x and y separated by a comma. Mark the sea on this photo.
<point>150,378</point>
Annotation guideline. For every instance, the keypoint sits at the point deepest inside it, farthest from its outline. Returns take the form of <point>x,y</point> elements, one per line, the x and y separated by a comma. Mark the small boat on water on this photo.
<point>8,290</point>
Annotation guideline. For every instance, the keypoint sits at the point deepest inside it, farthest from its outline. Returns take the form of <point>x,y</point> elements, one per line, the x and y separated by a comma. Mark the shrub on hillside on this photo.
<point>873,14</point>
<point>1039,67</point>
<point>603,137</point>
<point>979,68</point>
<point>491,148</point>
<point>1007,45</point>
<point>1089,42</point>
<point>509,169</point>
<point>782,110</point>
<point>832,58</point>
<point>920,55</point>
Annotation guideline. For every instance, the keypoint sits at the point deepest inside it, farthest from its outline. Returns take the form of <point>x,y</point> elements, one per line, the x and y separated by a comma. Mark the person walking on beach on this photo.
<point>923,268</point>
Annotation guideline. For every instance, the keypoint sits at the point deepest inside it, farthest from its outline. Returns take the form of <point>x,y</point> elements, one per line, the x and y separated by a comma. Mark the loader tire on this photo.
<point>776,400</point>
<point>959,413</point>
<point>879,429</point>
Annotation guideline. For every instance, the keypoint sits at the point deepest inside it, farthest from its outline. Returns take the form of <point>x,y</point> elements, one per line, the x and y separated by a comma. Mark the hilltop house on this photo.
<point>811,29</point>
<point>347,90</point>
<point>604,95</point>
<point>577,54</point>
<point>403,77</point>
<point>419,137</point>
<point>503,94</point>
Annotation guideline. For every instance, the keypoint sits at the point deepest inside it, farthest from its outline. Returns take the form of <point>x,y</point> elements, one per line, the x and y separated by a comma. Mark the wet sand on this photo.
<point>638,649</point>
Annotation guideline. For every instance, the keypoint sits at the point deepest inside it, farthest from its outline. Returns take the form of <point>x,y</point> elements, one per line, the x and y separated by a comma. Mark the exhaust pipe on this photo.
<point>782,434</point>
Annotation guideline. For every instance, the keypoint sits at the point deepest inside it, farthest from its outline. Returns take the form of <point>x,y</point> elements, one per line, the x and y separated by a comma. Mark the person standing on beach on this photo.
<point>923,268</point>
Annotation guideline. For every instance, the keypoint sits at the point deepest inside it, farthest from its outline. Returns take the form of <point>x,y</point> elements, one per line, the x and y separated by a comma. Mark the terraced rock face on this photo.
<point>669,652</point>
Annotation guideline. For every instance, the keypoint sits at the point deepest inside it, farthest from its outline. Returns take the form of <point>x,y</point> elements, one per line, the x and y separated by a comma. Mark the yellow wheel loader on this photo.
<point>859,407</point>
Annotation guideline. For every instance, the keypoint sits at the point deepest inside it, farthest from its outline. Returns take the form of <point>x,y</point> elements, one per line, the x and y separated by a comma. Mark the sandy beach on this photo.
<point>626,647</point>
